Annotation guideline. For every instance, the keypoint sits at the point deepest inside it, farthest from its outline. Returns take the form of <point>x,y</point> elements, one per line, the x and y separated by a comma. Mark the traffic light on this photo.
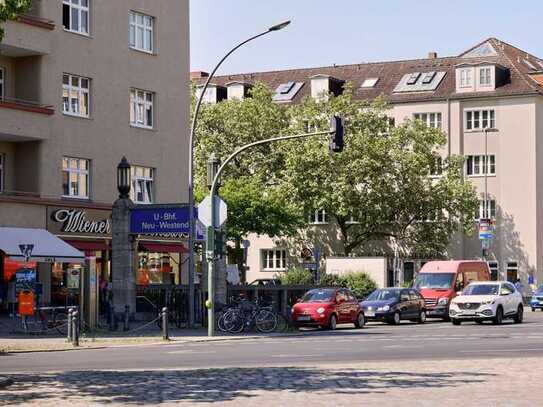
<point>336,134</point>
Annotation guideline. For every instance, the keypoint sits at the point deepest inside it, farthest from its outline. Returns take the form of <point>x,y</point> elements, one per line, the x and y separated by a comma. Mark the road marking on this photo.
<point>190,352</point>
<point>502,350</point>
<point>284,355</point>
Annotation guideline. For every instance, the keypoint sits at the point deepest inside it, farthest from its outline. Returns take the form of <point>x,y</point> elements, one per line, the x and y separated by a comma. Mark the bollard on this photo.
<point>75,328</point>
<point>69,330</point>
<point>126,316</point>
<point>165,327</point>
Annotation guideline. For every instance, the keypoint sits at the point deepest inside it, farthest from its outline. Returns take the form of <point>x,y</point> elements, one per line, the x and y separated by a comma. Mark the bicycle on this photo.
<point>58,320</point>
<point>248,315</point>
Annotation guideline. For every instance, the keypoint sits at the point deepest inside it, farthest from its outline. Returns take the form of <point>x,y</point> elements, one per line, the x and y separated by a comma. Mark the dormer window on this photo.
<point>213,94</point>
<point>370,82</point>
<point>480,77</point>
<point>237,90</point>
<point>466,77</point>
<point>485,76</point>
<point>323,85</point>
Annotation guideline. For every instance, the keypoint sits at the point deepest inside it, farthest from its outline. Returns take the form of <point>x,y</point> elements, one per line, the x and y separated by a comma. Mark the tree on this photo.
<point>10,9</point>
<point>255,202</point>
<point>378,189</point>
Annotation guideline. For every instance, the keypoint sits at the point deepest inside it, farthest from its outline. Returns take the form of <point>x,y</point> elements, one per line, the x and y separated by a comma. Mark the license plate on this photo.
<point>304,318</point>
<point>370,313</point>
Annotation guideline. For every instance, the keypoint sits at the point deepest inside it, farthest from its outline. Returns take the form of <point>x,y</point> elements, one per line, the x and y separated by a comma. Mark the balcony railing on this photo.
<point>25,105</point>
<point>37,21</point>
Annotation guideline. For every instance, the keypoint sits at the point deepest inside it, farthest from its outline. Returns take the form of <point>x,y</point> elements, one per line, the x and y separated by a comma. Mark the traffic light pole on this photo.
<point>210,252</point>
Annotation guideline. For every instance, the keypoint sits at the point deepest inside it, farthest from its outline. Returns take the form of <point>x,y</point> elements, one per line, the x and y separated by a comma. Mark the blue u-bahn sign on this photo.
<point>167,220</point>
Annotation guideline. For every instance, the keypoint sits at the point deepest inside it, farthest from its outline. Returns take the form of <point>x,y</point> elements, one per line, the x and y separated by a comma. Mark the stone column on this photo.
<point>123,252</point>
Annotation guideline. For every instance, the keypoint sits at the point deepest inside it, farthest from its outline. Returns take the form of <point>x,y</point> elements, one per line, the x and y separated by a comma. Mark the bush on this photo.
<point>297,276</point>
<point>360,283</point>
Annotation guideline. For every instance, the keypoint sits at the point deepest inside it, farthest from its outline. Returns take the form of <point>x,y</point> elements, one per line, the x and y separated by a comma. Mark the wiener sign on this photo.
<point>79,221</point>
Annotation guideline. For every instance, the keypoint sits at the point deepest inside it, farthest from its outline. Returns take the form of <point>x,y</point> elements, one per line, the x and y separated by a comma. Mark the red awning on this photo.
<point>89,245</point>
<point>164,247</point>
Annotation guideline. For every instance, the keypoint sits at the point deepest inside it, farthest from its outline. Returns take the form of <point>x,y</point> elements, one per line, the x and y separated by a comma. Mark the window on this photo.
<point>485,76</point>
<point>75,177</point>
<point>436,167</point>
<point>428,77</point>
<point>480,119</point>
<point>141,32</point>
<point>370,82</point>
<point>141,108</point>
<point>488,210</point>
<point>1,83</point>
<point>477,165</point>
<point>274,260</point>
<point>142,190</point>
<point>2,165</point>
<point>75,16</point>
<point>430,119</point>
<point>75,95</point>
<point>465,78</point>
<point>413,78</point>
<point>512,271</point>
<point>494,270</point>
<point>318,217</point>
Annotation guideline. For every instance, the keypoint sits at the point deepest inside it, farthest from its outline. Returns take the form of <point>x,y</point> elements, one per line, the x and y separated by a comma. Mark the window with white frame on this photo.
<point>142,190</point>
<point>430,119</point>
<point>141,34</point>
<point>318,217</point>
<point>478,165</point>
<point>75,177</point>
<point>436,167</point>
<point>352,219</point>
<point>466,78</point>
<point>75,95</point>
<point>141,108</point>
<point>2,171</point>
<point>274,260</point>
<point>487,209</point>
<point>75,16</point>
<point>480,119</point>
<point>1,83</point>
<point>485,76</point>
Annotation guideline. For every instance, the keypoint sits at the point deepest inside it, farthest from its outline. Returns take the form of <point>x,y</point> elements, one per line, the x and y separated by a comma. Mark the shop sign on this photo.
<point>79,221</point>
<point>486,229</point>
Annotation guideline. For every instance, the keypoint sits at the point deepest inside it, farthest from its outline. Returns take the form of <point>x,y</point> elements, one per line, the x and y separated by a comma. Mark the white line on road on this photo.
<point>501,350</point>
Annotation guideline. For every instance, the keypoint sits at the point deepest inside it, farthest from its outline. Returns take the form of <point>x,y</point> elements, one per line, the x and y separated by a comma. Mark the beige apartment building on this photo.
<point>82,84</point>
<point>493,86</point>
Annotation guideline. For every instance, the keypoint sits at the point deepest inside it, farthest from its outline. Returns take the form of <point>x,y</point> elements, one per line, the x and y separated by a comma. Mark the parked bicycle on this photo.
<point>248,315</point>
<point>46,319</point>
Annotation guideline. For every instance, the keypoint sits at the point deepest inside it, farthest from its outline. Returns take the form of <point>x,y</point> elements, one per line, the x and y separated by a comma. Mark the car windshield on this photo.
<point>319,296</point>
<point>434,280</point>
<point>384,295</point>
<point>481,289</point>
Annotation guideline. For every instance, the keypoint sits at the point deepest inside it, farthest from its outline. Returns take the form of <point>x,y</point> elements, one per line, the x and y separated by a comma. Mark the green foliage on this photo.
<point>297,276</point>
<point>381,179</point>
<point>360,283</point>
<point>10,9</point>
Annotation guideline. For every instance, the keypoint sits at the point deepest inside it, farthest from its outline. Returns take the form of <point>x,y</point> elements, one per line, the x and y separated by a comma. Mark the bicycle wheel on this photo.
<point>283,324</point>
<point>266,321</point>
<point>233,321</point>
<point>60,322</point>
<point>219,318</point>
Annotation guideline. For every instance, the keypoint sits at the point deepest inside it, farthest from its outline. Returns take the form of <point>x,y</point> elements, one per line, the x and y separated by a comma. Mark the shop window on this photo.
<point>65,284</point>
<point>512,271</point>
<point>154,268</point>
<point>75,16</point>
<point>75,177</point>
<point>494,270</point>
<point>142,190</point>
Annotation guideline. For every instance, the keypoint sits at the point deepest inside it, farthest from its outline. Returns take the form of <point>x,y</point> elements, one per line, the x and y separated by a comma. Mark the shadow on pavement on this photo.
<point>216,385</point>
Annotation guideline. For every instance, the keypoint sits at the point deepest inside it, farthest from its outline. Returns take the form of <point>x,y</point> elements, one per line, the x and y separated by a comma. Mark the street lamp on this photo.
<point>191,163</point>
<point>213,164</point>
<point>123,178</point>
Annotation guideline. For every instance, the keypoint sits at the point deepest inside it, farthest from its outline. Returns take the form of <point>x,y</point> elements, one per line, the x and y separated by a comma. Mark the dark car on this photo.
<point>327,307</point>
<point>391,305</point>
<point>266,281</point>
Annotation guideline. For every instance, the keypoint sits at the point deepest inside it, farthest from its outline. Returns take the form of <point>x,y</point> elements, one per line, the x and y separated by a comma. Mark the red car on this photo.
<point>327,307</point>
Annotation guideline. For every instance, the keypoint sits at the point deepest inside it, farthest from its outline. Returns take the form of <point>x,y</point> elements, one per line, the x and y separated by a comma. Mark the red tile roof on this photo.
<point>390,73</point>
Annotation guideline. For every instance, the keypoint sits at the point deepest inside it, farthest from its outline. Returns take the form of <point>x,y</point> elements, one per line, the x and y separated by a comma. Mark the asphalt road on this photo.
<point>376,342</point>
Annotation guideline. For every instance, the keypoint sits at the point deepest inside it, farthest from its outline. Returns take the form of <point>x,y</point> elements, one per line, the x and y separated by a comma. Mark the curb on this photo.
<point>5,382</point>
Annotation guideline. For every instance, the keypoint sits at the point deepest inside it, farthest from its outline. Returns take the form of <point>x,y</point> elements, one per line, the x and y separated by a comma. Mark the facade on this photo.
<point>82,84</point>
<point>492,92</point>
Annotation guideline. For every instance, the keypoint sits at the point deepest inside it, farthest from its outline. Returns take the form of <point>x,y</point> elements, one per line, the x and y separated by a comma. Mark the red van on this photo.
<point>440,281</point>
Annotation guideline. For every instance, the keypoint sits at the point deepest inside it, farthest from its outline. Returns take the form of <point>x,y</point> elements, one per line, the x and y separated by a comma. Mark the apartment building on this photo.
<point>82,84</point>
<point>492,92</point>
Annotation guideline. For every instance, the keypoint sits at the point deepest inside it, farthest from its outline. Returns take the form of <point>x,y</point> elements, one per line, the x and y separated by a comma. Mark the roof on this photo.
<point>492,51</point>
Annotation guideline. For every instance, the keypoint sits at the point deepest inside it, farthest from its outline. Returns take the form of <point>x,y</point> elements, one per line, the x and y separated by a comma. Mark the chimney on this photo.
<point>432,55</point>
<point>198,75</point>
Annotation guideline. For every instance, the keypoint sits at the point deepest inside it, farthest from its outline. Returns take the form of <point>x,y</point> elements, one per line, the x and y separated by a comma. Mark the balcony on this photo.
<point>28,36</point>
<point>22,120</point>
<point>37,21</point>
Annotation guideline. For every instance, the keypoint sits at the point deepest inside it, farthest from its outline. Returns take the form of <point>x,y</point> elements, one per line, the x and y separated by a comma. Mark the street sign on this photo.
<point>204,211</point>
<point>151,220</point>
<point>486,229</point>
<point>310,266</point>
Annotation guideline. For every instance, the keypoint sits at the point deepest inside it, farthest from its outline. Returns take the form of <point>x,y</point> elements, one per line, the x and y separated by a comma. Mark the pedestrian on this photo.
<point>520,288</point>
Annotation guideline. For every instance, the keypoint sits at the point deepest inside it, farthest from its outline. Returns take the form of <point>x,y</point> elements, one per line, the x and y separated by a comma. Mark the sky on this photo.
<point>327,32</point>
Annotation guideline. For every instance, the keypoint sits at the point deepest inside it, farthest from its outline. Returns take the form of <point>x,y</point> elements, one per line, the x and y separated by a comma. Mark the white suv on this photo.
<point>487,301</point>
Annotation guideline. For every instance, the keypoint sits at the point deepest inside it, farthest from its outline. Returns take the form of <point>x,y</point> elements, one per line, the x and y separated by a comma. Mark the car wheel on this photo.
<point>499,316</point>
<point>519,315</point>
<point>479,321</point>
<point>456,321</point>
<point>396,318</point>
<point>333,322</point>
<point>360,321</point>
<point>422,317</point>
<point>533,309</point>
